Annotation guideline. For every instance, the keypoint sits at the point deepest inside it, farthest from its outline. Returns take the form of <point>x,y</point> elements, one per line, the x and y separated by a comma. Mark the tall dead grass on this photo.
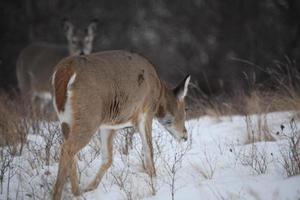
<point>280,92</point>
<point>13,125</point>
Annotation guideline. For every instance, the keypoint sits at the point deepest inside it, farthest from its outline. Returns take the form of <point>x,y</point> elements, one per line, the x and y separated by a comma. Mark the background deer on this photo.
<point>36,62</point>
<point>111,90</point>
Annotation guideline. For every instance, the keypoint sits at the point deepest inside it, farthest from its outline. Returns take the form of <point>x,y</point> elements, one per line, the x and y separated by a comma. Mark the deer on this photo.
<point>36,62</point>
<point>108,91</point>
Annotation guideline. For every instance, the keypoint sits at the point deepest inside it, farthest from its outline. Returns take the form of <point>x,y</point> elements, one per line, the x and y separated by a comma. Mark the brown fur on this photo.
<point>160,111</point>
<point>141,78</point>
<point>61,79</point>
<point>65,130</point>
<point>109,90</point>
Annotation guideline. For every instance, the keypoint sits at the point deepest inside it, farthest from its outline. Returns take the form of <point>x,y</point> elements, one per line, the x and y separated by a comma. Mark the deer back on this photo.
<point>112,86</point>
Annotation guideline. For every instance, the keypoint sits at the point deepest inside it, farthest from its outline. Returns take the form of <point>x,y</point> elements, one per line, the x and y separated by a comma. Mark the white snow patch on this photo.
<point>213,167</point>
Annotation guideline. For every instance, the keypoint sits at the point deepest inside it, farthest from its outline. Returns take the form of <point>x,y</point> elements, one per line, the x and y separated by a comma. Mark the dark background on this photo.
<point>222,43</point>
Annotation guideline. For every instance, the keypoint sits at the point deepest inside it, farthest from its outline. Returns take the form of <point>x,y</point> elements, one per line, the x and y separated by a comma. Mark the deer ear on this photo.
<point>68,27</point>
<point>92,27</point>
<point>181,90</point>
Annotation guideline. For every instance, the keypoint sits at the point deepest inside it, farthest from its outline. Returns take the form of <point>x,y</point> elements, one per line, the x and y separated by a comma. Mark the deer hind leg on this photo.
<point>107,157</point>
<point>145,131</point>
<point>74,178</point>
<point>73,174</point>
<point>72,144</point>
<point>66,156</point>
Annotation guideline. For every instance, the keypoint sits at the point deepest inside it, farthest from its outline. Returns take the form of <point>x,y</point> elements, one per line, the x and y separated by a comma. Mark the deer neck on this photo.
<point>165,96</point>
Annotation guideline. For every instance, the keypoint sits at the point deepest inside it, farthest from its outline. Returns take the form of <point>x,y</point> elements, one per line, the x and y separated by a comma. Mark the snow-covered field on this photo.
<point>219,161</point>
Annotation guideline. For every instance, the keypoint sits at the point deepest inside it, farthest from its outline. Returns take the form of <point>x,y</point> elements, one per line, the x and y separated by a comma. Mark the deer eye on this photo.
<point>168,122</point>
<point>186,108</point>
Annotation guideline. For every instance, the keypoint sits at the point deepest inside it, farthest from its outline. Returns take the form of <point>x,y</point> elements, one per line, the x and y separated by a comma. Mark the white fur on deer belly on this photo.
<point>116,126</point>
<point>46,96</point>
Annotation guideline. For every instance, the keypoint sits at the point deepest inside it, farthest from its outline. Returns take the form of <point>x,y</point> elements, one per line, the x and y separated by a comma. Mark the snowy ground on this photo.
<point>219,161</point>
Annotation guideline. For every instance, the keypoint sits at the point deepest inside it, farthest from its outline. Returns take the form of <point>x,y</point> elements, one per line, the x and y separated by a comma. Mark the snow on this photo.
<point>215,163</point>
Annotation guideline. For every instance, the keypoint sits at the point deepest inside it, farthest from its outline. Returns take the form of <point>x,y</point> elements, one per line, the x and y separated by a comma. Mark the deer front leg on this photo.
<point>107,154</point>
<point>145,130</point>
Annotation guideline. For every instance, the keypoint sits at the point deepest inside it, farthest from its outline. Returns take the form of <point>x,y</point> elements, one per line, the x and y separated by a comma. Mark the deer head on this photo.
<point>80,42</point>
<point>171,113</point>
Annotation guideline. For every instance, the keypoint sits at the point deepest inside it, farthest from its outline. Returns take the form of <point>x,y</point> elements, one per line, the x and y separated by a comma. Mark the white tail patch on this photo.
<point>67,115</point>
<point>71,81</point>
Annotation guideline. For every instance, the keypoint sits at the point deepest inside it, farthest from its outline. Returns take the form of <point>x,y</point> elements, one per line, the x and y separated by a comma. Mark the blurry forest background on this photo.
<point>226,45</point>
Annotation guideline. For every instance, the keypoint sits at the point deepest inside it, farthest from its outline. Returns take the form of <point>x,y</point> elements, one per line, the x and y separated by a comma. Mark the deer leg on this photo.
<point>145,130</point>
<point>74,142</point>
<point>65,160</point>
<point>74,178</point>
<point>107,154</point>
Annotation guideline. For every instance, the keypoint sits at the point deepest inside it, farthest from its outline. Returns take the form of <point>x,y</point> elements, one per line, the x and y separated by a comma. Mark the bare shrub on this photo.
<point>45,150</point>
<point>16,122</point>
<point>172,163</point>
<point>123,175</point>
<point>121,179</point>
<point>128,175</point>
<point>51,134</point>
<point>208,168</point>
<point>128,135</point>
<point>6,158</point>
<point>255,158</point>
<point>291,153</point>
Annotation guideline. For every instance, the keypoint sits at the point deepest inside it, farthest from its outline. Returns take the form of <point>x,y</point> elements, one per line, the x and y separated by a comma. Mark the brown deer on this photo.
<point>36,62</point>
<point>111,90</point>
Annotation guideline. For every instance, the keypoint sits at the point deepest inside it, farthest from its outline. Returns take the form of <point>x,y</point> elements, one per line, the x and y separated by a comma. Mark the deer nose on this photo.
<point>81,53</point>
<point>184,138</point>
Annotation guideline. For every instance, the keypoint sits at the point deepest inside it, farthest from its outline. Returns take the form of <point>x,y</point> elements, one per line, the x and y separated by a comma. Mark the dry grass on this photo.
<point>280,91</point>
<point>13,126</point>
<point>257,102</point>
<point>17,117</point>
